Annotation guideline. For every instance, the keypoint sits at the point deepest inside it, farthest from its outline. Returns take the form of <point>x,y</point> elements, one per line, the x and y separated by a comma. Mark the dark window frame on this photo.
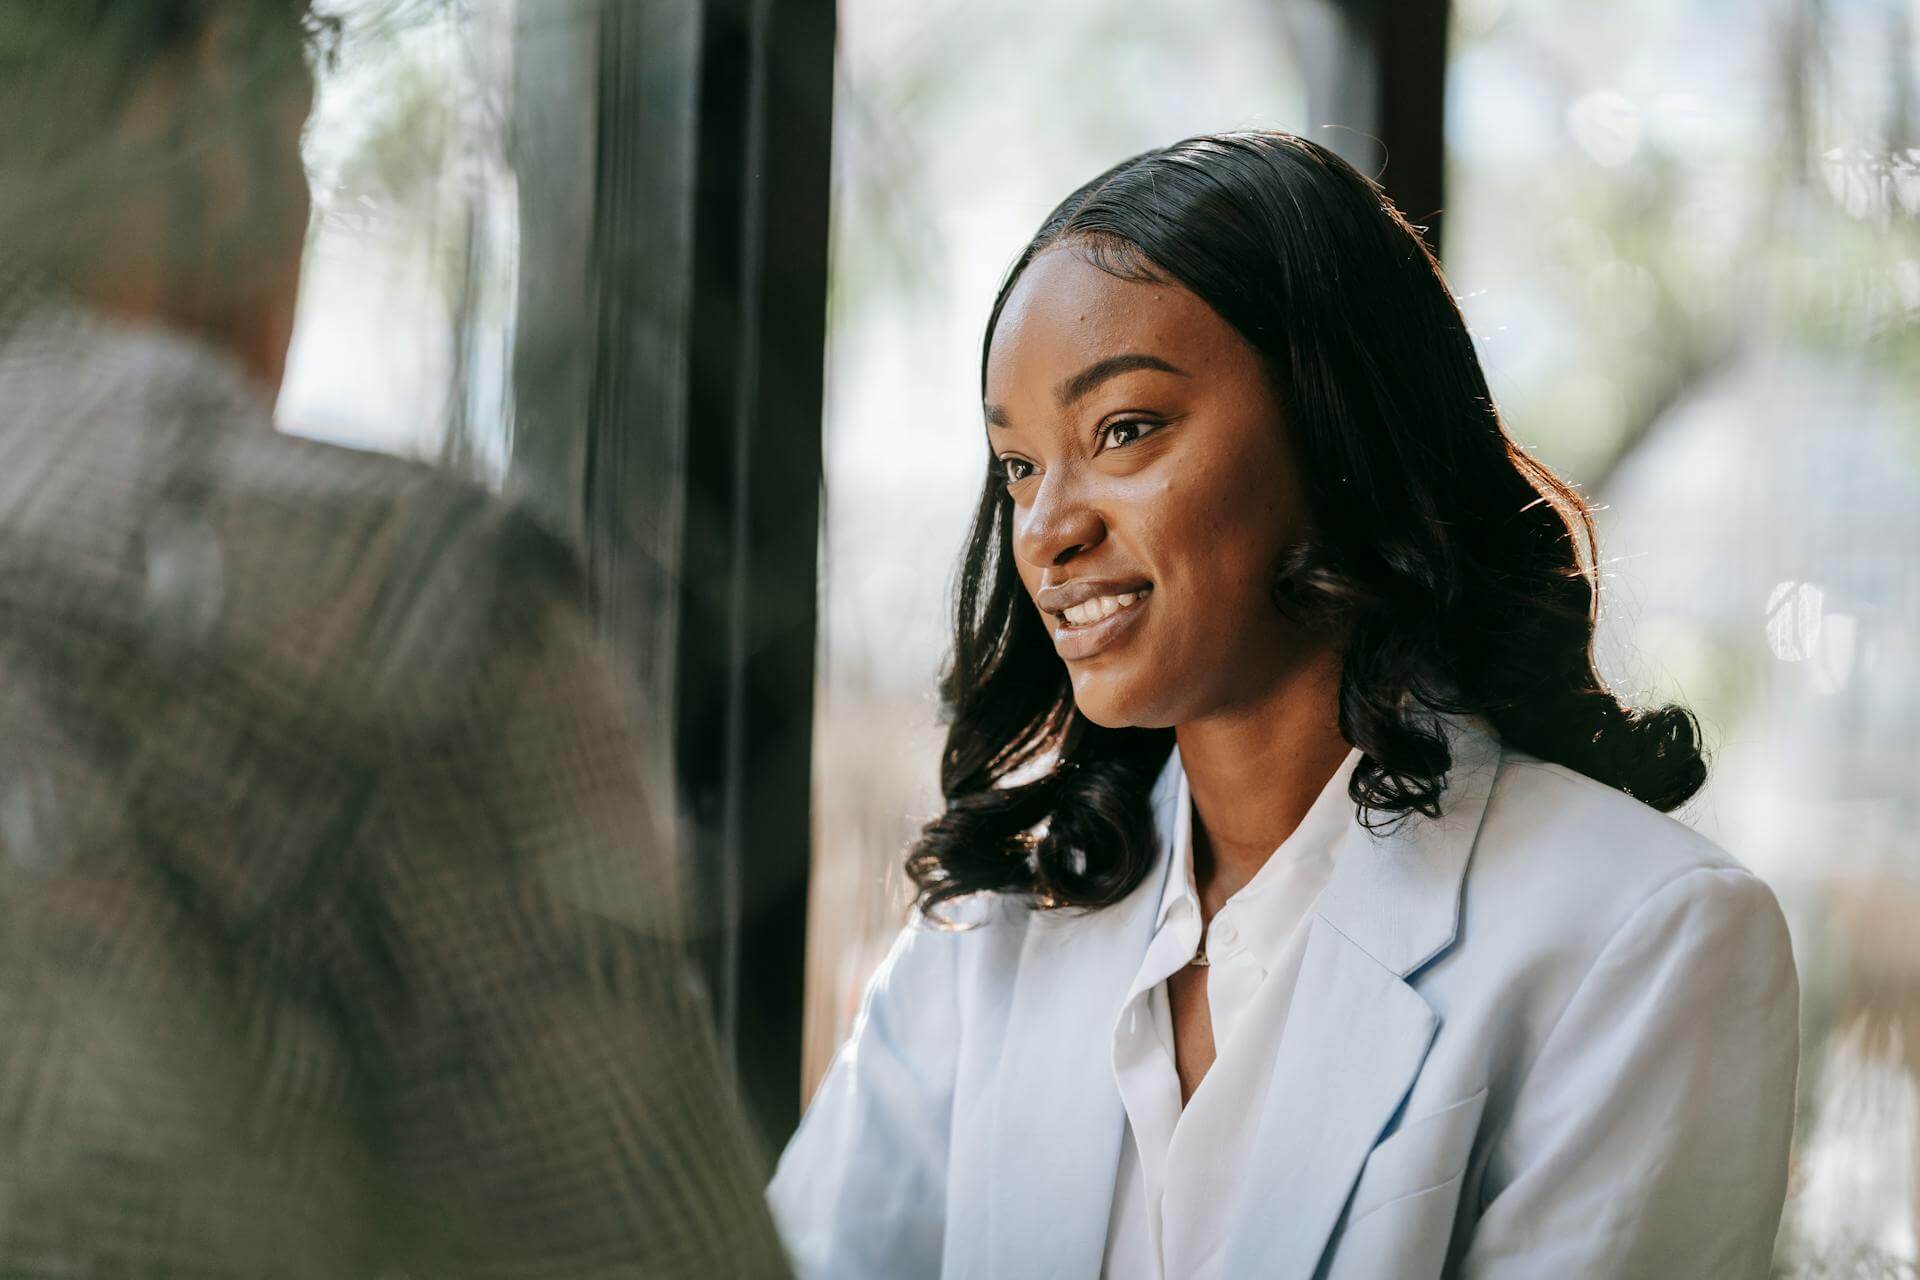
<point>675,161</point>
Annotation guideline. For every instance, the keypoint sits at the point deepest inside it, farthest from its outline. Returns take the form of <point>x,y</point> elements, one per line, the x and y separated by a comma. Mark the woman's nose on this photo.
<point>1059,525</point>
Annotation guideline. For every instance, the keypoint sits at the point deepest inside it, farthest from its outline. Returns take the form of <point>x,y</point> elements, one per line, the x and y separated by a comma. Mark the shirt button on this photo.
<point>1224,933</point>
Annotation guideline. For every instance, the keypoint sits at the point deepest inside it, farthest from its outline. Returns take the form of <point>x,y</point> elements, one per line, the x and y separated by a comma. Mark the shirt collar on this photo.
<point>1281,893</point>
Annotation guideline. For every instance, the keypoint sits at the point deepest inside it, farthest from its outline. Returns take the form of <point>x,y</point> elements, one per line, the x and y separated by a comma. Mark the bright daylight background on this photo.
<point>1687,237</point>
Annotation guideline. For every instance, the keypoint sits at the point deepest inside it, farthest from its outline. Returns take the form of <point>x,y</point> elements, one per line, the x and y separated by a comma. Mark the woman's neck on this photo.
<point>1254,772</point>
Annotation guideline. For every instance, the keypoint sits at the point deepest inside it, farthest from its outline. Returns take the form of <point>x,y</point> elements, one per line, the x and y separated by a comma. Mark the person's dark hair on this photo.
<point>1459,570</point>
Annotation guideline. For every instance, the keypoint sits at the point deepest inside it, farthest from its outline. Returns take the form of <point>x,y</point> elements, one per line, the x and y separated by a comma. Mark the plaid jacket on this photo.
<point>334,936</point>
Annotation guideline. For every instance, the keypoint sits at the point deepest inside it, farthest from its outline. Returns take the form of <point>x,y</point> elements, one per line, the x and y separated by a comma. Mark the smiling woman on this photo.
<point>1332,484</point>
<point>1273,653</point>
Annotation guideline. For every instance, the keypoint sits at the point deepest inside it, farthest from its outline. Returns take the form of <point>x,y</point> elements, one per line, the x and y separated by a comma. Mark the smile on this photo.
<point>1097,624</point>
<point>1101,608</point>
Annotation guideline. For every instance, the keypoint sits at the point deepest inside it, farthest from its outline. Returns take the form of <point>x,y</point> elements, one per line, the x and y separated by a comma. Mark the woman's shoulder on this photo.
<point>1574,860</point>
<point>1540,802</point>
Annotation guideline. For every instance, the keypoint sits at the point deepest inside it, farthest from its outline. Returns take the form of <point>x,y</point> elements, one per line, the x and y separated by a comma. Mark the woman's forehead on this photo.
<point>1065,313</point>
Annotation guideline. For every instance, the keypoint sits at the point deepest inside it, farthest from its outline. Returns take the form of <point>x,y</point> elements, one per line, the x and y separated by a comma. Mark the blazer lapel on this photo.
<point>1058,1119</point>
<point>1356,1032</point>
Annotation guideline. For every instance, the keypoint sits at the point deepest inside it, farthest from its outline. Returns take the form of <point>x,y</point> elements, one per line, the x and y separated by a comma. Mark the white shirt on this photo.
<point>1183,1172</point>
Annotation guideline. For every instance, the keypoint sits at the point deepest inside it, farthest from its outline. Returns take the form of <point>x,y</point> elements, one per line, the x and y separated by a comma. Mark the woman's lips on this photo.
<point>1073,642</point>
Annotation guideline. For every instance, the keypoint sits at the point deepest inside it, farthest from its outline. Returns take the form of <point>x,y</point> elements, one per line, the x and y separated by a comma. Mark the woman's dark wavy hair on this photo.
<point>1459,570</point>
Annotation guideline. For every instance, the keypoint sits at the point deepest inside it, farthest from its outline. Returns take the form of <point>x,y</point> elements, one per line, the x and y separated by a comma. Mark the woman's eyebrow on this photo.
<point>1083,382</point>
<point>1099,371</point>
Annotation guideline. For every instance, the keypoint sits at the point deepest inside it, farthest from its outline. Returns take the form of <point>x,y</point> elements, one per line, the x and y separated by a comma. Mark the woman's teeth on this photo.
<point>1091,611</point>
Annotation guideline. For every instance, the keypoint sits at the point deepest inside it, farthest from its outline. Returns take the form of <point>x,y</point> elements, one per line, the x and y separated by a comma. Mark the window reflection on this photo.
<point>406,324</point>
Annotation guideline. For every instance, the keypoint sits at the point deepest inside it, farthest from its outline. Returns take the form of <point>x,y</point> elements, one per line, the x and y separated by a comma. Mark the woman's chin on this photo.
<point>1114,703</point>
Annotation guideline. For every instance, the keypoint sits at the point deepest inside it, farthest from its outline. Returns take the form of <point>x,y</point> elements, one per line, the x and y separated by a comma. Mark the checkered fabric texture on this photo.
<point>335,935</point>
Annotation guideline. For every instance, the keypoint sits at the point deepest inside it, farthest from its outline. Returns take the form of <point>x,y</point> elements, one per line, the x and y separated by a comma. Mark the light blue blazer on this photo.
<point>1551,1034</point>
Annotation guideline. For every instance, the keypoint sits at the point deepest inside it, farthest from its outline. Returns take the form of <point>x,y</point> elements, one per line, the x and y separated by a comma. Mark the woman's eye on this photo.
<point>1015,469</point>
<point>1120,434</point>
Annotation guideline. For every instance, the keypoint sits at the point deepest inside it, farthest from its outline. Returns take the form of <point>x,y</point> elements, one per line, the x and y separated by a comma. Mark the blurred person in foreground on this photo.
<point>335,935</point>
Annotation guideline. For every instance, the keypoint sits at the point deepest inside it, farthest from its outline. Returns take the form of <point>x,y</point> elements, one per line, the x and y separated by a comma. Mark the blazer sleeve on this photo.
<point>1650,1137</point>
<point>861,1189</point>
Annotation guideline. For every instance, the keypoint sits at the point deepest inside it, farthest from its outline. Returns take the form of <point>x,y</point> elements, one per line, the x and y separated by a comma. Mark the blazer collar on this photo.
<point>1396,895</point>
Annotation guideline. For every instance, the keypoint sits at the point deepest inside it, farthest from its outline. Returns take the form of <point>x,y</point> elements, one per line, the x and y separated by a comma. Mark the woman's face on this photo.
<point>1154,491</point>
